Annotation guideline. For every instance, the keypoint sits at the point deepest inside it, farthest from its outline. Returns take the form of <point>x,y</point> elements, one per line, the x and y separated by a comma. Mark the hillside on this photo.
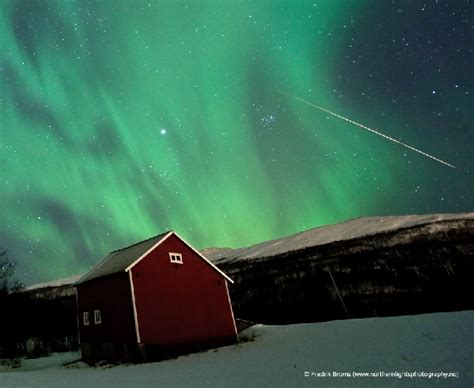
<point>349,230</point>
<point>53,284</point>
<point>372,266</point>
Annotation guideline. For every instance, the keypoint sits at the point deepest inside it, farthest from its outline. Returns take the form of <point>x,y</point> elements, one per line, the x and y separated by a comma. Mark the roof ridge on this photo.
<point>139,242</point>
<point>105,264</point>
<point>126,258</point>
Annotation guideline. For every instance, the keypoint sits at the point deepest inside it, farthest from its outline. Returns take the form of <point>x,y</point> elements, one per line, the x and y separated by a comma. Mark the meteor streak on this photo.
<point>371,130</point>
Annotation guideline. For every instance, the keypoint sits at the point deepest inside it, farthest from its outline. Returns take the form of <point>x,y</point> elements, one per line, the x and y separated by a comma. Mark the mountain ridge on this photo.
<point>321,235</point>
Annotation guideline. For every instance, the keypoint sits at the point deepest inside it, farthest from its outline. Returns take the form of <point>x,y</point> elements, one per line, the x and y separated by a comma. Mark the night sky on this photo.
<point>122,119</point>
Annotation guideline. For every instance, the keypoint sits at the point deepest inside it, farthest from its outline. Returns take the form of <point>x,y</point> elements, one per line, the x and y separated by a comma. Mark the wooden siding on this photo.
<point>180,303</point>
<point>112,296</point>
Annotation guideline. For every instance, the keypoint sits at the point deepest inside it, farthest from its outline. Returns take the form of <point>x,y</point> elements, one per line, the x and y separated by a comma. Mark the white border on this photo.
<point>147,252</point>
<point>231,309</point>
<point>78,319</point>
<point>202,257</point>
<point>85,314</point>
<point>97,321</point>
<point>180,261</point>
<point>135,315</point>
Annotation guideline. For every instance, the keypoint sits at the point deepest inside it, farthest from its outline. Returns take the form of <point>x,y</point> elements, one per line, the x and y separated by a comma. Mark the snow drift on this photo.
<point>421,351</point>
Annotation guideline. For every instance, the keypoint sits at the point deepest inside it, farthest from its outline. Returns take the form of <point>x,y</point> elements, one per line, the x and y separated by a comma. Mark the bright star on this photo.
<point>163,131</point>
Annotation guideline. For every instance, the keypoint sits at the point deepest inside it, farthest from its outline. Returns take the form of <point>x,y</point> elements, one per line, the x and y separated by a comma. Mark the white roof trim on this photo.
<point>147,252</point>
<point>194,250</point>
<point>202,257</point>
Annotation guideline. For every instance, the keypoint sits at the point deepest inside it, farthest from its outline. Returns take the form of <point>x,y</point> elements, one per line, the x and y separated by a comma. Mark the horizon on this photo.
<point>27,287</point>
<point>118,120</point>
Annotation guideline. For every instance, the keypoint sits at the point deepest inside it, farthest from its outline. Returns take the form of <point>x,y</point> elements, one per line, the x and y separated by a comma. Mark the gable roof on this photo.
<point>126,258</point>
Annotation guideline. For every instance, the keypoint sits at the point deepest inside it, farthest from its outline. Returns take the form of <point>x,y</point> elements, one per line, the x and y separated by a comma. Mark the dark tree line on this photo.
<point>30,324</point>
<point>8,284</point>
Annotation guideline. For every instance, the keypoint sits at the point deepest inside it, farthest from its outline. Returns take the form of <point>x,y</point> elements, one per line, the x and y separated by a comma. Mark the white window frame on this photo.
<point>97,317</point>
<point>85,318</point>
<point>176,258</point>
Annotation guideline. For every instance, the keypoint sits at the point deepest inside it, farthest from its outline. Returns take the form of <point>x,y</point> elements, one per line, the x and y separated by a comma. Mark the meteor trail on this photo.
<point>371,130</point>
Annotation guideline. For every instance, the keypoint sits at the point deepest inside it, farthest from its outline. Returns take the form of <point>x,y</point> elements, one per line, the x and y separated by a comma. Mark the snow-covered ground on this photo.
<point>28,364</point>
<point>351,229</point>
<point>414,349</point>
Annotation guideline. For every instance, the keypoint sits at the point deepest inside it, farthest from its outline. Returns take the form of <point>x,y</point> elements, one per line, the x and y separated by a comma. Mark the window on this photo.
<point>85,318</point>
<point>176,258</point>
<point>97,317</point>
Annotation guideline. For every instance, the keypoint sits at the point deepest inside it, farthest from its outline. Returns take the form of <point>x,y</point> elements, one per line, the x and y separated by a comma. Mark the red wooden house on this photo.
<point>156,296</point>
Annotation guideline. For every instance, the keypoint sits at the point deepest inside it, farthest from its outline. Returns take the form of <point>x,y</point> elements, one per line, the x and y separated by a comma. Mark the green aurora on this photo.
<point>121,119</point>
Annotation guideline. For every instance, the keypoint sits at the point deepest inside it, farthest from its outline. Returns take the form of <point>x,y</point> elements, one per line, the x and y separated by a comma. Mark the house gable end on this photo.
<point>185,243</point>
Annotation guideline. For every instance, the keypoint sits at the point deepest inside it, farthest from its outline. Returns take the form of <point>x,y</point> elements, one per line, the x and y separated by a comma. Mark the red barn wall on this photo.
<point>112,296</point>
<point>180,303</point>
